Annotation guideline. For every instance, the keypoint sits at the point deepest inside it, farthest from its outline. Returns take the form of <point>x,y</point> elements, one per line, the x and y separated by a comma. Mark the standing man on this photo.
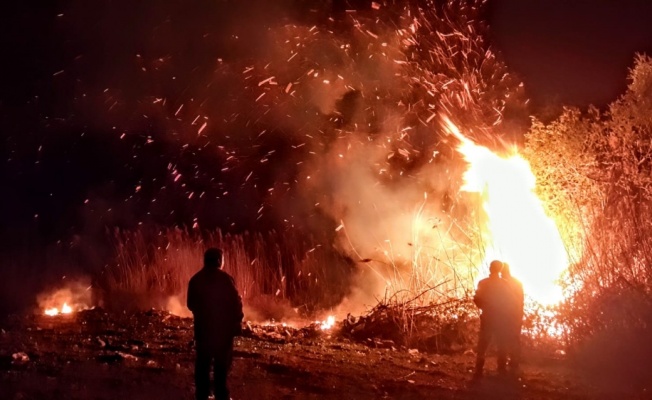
<point>515,319</point>
<point>217,311</point>
<point>492,297</point>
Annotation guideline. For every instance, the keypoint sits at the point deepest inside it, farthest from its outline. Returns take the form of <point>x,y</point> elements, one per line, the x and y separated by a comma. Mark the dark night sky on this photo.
<point>577,52</point>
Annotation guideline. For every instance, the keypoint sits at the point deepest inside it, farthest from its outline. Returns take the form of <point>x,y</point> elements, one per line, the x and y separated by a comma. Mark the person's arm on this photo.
<point>478,299</point>
<point>238,315</point>
<point>191,300</point>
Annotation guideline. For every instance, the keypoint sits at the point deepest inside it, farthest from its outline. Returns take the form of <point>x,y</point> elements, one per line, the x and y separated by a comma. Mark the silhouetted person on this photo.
<point>515,318</point>
<point>217,310</point>
<point>493,299</point>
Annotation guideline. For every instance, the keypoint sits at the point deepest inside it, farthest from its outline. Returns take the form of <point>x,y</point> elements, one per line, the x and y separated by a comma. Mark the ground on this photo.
<point>149,355</point>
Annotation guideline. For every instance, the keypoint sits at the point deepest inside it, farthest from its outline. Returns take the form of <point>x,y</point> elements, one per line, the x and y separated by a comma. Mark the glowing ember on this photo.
<point>324,325</point>
<point>517,230</point>
<point>328,323</point>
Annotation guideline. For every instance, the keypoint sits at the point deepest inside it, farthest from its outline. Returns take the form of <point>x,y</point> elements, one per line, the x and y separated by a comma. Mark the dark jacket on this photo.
<point>518,296</point>
<point>493,297</point>
<point>216,307</point>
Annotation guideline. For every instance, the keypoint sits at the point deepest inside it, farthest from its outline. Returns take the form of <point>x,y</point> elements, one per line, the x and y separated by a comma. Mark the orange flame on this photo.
<point>327,323</point>
<point>73,297</point>
<point>518,230</point>
<point>65,309</point>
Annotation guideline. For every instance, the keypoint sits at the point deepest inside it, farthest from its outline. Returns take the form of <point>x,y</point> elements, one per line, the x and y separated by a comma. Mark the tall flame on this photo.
<point>517,230</point>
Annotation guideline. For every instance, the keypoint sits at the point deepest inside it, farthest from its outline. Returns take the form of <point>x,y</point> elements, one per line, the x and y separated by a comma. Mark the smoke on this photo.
<point>76,294</point>
<point>379,167</point>
<point>176,305</point>
<point>258,118</point>
<point>333,125</point>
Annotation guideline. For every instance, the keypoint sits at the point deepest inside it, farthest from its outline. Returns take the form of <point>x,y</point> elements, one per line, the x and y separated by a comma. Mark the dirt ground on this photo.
<point>149,355</point>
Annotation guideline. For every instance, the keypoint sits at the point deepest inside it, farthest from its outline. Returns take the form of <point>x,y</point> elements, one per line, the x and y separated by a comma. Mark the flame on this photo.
<point>65,309</point>
<point>52,311</point>
<point>517,230</point>
<point>324,325</point>
<point>73,297</point>
<point>327,323</point>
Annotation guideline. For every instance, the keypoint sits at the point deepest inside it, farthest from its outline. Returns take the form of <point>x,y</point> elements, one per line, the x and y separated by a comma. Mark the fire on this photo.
<point>75,296</point>
<point>324,325</point>
<point>517,229</point>
<point>327,323</point>
<point>65,309</point>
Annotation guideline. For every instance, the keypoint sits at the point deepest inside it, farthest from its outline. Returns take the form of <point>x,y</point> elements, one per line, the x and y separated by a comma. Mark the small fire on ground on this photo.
<point>324,325</point>
<point>327,323</point>
<point>75,296</point>
<point>65,309</point>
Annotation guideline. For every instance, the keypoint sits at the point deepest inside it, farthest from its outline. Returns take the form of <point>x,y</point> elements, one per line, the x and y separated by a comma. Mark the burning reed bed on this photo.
<point>150,268</point>
<point>427,305</point>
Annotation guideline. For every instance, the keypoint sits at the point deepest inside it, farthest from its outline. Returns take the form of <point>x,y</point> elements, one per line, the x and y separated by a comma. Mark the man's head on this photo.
<point>505,271</point>
<point>213,258</point>
<point>495,267</point>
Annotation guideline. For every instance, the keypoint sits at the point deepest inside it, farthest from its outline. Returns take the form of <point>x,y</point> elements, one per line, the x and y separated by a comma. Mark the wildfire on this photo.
<point>517,230</point>
<point>65,309</point>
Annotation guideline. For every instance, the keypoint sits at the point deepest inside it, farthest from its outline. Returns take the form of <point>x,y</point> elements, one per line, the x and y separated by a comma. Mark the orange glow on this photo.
<point>324,325</point>
<point>74,297</point>
<point>327,323</point>
<point>516,230</point>
<point>65,309</point>
<point>52,312</point>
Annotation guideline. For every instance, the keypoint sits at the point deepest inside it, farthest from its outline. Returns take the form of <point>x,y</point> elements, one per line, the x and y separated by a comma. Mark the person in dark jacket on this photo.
<point>515,319</point>
<point>493,299</point>
<point>217,310</point>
